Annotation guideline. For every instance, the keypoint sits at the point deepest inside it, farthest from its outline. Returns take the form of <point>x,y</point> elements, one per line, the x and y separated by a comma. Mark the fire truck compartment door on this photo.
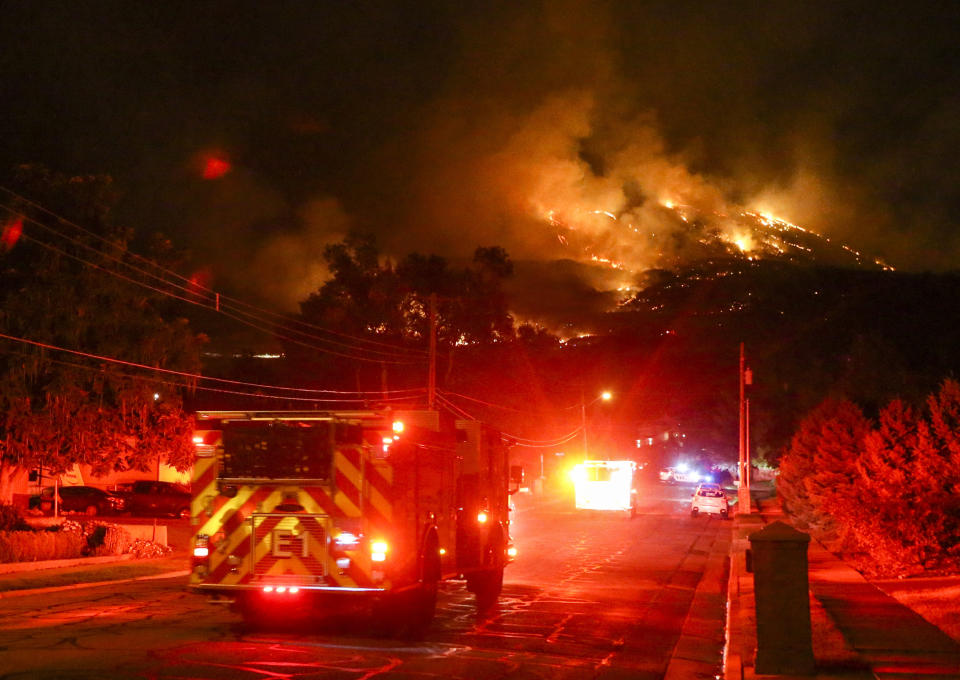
<point>289,548</point>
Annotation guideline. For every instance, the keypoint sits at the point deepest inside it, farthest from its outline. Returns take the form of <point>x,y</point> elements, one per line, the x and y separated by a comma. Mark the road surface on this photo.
<point>591,595</point>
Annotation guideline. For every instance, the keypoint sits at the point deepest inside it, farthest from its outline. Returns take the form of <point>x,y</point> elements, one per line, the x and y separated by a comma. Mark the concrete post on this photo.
<point>781,591</point>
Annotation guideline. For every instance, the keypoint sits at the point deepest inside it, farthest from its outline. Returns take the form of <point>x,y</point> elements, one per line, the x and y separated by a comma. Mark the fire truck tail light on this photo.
<point>482,517</point>
<point>281,590</point>
<point>201,546</point>
<point>378,551</point>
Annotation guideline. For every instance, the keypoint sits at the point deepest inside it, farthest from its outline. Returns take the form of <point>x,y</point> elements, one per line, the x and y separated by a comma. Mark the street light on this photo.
<point>606,395</point>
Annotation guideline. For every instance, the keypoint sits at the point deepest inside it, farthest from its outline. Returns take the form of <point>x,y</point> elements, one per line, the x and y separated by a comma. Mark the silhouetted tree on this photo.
<point>58,409</point>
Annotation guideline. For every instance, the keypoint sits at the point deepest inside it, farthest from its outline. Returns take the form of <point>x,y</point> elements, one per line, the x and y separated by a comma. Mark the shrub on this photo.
<point>108,539</point>
<point>33,546</point>
<point>11,519</point>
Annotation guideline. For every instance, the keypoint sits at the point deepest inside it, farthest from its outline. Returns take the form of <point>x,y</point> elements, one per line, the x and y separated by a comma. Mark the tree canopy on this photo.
<point>56,288</point>
<point>367,294</point>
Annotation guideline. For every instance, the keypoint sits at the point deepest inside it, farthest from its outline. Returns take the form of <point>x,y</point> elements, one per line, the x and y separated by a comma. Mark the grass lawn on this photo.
<point>115,571</point>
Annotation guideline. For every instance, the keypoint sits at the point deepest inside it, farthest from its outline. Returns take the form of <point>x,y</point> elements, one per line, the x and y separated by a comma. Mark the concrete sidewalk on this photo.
<point>858,630</point>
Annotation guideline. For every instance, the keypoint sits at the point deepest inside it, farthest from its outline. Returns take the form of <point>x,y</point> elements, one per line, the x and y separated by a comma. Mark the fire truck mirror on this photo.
<point>516,478</point>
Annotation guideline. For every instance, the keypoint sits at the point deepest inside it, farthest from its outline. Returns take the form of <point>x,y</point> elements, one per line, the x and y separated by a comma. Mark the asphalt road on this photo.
<point>591,595</point>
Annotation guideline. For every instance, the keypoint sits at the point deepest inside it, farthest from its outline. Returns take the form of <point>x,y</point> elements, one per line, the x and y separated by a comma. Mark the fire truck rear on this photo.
<point>320,511</point>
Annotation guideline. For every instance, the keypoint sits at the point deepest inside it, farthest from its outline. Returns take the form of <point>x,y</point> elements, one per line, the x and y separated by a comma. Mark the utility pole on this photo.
<point>743,495</point>
<point>432,376</point>
<point>583,424</point>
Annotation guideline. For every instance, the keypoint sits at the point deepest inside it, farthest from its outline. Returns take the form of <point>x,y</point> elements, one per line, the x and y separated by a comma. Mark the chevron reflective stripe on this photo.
<point>285,545</point>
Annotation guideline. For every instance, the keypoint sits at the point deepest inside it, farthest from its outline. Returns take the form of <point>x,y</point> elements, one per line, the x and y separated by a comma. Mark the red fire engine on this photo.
<point>297,511</point>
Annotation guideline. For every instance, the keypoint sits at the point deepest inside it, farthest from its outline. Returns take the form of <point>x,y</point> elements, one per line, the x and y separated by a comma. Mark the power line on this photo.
<point>193,376</point>
<point>518,440</point>
<point>251,395</point>
<point>193,288</point>
<point>167,293</point>
<point>507,408</point>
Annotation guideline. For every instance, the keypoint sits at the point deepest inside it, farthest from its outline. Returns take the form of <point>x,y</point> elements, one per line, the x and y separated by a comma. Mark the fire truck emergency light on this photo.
<point>398,426</point>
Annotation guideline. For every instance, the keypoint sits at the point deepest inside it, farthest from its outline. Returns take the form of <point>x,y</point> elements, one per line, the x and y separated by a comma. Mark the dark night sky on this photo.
<point>442,126</point>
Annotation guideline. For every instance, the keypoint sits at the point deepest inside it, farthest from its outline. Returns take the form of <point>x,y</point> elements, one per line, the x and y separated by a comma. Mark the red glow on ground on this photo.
<point>11,233</point>
<point>215,167</point>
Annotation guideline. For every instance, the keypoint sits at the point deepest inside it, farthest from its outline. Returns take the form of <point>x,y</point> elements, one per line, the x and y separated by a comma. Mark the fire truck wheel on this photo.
<point>486,585</point>
<point>424,606</point>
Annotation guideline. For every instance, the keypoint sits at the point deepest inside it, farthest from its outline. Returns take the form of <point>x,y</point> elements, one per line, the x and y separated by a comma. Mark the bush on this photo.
<point>108,540</point>
<point>11,519</point>
<point>33,546</point>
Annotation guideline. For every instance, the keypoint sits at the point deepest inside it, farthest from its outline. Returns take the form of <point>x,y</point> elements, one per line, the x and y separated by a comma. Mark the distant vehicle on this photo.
<point>86,499</point>
<point>605,485</point>
<point>710,498</point>
<point>682,473</point>
<point>152,498</point>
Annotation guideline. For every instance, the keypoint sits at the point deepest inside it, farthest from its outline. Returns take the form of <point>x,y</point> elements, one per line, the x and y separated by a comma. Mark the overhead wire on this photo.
<point>60,251</point>
<point>251,395</point>
<point>175,274</point>
<point>193,286</point>
<point>197,376</point>
<point>208,297</point>
<point>506,408</point>
<point>517,440</point>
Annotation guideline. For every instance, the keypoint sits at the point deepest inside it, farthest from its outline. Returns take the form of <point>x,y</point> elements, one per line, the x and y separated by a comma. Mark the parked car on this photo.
<point>147,497</point>
<point>86,499</point>
<point>710,498</point>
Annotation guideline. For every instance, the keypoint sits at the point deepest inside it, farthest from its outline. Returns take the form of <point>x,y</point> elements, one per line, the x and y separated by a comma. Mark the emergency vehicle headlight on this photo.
<point>511,551</point>
<point>482,517</point>
<point>268,589</point>
<point>378,551</point>
<point>578,474</point>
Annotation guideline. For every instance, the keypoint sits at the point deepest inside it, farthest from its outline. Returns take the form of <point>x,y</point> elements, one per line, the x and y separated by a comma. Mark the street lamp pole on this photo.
<point>583,423</point>
<point>606,395</point>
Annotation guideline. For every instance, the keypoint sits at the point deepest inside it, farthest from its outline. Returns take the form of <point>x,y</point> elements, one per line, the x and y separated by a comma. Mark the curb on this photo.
<point>76,586</point>
<point>17,567</point>
<point>700,631</point>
